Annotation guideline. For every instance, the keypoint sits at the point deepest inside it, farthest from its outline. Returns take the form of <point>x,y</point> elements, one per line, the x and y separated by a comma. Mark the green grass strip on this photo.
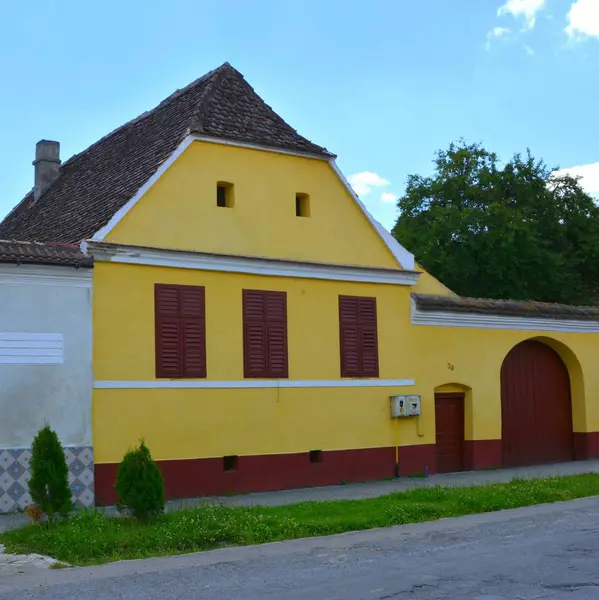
<point>90,537</point>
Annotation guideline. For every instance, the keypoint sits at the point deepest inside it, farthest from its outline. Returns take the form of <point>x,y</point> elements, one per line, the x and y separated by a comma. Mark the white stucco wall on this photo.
<point>46,300</point>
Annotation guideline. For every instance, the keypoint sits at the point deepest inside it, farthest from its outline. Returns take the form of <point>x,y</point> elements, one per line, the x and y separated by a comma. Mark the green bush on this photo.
<point>49,481</point>
<point>139,484</point>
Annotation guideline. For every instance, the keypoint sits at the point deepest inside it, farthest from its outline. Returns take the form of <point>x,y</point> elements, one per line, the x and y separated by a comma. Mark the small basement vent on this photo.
<point>31,349</point>
<point>230,463</point>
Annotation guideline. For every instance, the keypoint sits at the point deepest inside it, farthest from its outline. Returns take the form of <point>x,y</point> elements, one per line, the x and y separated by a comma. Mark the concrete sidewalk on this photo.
<point>358,491</point>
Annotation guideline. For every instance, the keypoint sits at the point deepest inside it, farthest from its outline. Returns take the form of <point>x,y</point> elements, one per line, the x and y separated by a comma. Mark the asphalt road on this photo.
<point>549,551</point>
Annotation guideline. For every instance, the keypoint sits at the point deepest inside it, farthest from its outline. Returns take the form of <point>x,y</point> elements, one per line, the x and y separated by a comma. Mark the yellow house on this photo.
<point>251,320</point>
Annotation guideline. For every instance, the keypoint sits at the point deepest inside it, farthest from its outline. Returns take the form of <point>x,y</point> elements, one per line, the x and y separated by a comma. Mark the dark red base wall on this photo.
<point>482,454</point>
<point>206,476</point>
<point>586,445</point>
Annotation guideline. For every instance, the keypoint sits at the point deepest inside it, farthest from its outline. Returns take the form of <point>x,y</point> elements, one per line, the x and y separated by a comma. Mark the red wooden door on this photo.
<point>536,411</point>
<point>449,423</point>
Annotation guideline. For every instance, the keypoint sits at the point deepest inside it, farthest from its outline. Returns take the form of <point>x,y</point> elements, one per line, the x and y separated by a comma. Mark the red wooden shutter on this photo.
<point>358,337</point>
<point>193,331</point>
<point>180,331</point>
<point>168,332</point>
<point>276,351</point>
<point>254,334</point>
<point>369,346</point>
<point>349,336</point>
<point>265,334</point>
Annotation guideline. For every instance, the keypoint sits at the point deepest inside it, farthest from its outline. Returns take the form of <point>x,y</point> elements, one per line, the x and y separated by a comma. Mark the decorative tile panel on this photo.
<point>14,475</point>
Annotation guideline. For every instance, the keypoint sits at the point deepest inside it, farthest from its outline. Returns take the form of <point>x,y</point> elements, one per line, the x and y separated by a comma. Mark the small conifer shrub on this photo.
<point>49,481</point>
<point>139,484</point>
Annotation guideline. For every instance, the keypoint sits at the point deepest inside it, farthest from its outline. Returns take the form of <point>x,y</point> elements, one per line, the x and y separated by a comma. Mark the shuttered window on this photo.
<point>265,334</point>
<point>358,337</point>
<point>180,331</point>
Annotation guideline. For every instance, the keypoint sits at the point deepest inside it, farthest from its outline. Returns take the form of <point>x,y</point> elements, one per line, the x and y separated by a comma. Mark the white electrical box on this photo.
<point>405,406</point>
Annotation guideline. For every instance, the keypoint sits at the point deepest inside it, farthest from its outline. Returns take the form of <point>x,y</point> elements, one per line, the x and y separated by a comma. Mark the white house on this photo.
<point>45,363</point>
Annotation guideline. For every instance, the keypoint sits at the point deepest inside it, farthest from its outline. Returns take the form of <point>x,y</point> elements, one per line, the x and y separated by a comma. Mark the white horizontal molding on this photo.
<point>155,257</point>
<point>31,348</point>
<point>31,360</point>
<point>10,336</point>
<point>252,383</point>
<point>478,321</point>
<point>47,275</point>
<point>28,351</point>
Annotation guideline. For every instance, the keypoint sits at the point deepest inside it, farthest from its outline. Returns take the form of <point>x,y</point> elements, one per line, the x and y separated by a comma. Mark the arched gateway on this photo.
<point>536,408</point>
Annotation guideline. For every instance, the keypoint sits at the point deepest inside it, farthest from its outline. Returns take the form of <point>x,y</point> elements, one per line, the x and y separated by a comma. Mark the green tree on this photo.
<point>514,231</point>
<point>139,484</point>
<point>49,481</point>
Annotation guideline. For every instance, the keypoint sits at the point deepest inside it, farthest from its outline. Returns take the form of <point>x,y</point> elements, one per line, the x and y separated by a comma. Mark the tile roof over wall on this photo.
<point>505,308</point>
<point>94,184</point>
<point>35,253</point>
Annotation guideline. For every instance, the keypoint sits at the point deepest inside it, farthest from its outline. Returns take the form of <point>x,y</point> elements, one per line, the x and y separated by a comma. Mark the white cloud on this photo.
<point>388,197</point>
<point>527,9</point>
<point>529,51</point>
<point>496,32</point>
<point>365,181</point>
<point>583,19</point>
<point>589,176</point>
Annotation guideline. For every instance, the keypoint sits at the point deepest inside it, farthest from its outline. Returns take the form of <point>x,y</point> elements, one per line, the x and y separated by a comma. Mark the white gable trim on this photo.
<point>177,259</point>
<point>101,234</point>
<point>438,318</point>
<point>403,257</point>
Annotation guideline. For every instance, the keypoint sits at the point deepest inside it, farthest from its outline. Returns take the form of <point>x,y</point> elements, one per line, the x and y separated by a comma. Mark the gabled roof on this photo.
<point>33,253</point>
<point>95,184</point>
<point>505,308</point>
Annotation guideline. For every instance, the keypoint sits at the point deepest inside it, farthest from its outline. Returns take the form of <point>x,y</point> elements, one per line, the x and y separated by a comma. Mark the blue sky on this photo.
<point>383,83</point>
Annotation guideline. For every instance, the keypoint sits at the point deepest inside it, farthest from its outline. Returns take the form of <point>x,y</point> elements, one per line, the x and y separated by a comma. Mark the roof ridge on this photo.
<point>277,116</point>
<point>176,94</point>
<point>197,121</point>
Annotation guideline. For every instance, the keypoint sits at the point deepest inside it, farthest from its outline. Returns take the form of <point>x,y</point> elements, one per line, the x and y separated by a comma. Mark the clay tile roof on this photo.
<point>505,308</point>
<point>35,253</point>
<point>94,184</point>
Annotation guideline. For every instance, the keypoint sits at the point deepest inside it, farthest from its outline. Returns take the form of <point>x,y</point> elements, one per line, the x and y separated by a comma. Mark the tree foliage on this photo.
<point>140,485</point>
<point>514,231</point>
<point>49,481</point>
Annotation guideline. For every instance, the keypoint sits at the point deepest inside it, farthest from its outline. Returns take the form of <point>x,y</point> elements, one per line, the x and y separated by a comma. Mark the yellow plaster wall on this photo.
<point>186,423</point>
<point>192,423</point>
<point>180,211</point>
<point>472,358</point>
<point>124,321</point>
<point>179,423</point>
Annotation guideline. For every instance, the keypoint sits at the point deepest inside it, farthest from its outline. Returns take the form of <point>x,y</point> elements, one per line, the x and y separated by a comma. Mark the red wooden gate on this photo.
<point>536,410</point>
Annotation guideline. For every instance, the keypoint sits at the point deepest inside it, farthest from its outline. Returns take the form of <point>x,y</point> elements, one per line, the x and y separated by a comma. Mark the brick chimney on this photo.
<point>47,166</point>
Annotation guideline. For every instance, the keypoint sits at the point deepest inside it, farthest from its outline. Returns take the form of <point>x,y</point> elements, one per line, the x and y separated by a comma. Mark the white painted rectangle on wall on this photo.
<point>31,349</point>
